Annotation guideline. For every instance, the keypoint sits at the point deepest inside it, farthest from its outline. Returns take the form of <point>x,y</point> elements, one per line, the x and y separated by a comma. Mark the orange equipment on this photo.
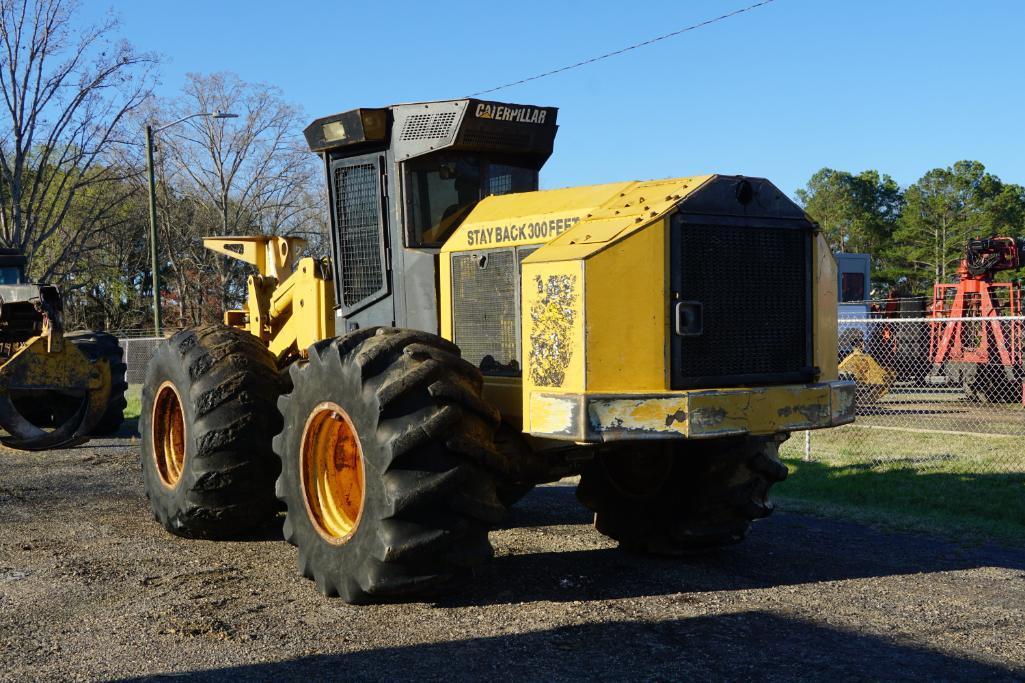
<point>986,355</point>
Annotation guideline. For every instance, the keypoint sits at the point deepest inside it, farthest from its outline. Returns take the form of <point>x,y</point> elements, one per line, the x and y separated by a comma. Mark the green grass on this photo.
<point>134,398</point>
<point>965,486</point>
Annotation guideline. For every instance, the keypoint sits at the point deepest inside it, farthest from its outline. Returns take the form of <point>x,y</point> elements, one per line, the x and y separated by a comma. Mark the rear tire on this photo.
<point>97,345</point>
<point>425,438</point>
<point>681,499</point>
<point>208,415</point>
<point>991,384</point>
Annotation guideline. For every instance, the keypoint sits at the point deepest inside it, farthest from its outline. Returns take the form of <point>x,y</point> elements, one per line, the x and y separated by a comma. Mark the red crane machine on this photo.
<point>978,344</point>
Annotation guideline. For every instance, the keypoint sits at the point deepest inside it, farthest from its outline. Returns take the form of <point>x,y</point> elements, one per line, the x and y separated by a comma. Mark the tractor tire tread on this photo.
<point>428,506</point>
<point>709,499</point>
<point>232,386</point>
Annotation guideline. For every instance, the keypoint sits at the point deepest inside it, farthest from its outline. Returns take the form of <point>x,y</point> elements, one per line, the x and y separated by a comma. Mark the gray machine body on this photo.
<point>405,291</point>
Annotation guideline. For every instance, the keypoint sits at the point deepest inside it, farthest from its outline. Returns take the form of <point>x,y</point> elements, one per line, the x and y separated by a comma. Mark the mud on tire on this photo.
<point>226,385</point>
<point>681,499</point>
<point>426,442</point>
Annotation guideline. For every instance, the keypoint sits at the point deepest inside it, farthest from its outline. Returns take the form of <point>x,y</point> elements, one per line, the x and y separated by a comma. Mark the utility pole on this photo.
<point>150,132</point>
<point>154,266</point>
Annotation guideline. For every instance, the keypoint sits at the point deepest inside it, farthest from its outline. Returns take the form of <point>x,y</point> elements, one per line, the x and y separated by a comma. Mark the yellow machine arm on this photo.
<point>289,305</point>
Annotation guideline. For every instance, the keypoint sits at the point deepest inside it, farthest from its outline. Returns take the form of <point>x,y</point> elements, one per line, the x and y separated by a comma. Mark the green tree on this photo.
<point>944,208</point>
<point>858,213</point>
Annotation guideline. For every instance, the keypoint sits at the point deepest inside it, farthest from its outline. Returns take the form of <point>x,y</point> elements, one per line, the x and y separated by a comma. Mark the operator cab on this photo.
<point>12,267</point>
<point>401,179</point>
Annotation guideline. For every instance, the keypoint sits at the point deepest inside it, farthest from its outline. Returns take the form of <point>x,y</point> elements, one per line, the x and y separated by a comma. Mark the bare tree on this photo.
<point>249,175</point>
<point>66,91</point>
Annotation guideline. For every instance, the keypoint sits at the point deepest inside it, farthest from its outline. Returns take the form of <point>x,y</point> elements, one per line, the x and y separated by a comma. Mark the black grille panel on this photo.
<point>485,309</point>
<point>753,285</point>
<point>358,217</point>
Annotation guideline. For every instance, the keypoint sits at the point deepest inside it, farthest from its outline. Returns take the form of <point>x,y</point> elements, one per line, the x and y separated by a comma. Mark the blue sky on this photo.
<point>901,86</point>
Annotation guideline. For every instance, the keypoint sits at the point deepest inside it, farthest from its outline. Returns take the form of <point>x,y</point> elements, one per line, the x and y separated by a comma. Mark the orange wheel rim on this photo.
<point>168,435</point>
<point>331,467</point>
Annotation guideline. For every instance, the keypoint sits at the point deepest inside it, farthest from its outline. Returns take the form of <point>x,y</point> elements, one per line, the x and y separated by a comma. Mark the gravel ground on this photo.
<point>92,588</point>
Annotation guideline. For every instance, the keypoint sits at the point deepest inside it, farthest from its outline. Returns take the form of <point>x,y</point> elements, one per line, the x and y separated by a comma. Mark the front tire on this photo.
<point>208,416</point>
<point>681,499</point>
<point>384,465</point>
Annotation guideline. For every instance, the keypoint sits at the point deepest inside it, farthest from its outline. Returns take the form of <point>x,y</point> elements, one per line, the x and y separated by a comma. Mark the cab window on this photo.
<point>10,275</point>
<point>852,287</point>
<point>441,190</point>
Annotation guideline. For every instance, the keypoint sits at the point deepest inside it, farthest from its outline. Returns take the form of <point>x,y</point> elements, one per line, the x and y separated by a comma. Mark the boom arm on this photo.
<point>289,305</point>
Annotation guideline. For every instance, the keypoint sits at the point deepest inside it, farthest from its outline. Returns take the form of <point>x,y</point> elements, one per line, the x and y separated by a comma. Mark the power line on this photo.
<point>625,49</point>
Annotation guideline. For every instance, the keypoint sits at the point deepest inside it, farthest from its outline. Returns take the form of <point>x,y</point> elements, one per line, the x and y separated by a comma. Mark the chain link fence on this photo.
<point>940,394</point>
<point>137,354</point>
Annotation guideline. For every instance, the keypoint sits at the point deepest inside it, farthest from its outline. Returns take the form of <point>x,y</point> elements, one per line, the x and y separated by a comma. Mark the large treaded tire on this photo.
<point>96,345</point>
<point>685,498</point>
<point>228,386</point>
<point>426,438</point>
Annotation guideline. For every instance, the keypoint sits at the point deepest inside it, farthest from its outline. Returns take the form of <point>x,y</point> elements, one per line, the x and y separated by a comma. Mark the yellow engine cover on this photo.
<point>591,323</point>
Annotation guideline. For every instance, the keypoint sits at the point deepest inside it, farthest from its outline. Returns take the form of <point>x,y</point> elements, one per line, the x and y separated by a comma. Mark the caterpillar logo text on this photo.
<point>500,112</point>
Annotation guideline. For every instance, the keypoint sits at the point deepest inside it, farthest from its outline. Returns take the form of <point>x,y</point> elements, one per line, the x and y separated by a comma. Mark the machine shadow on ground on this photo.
<point>784,550</point>
<point>734,646</point>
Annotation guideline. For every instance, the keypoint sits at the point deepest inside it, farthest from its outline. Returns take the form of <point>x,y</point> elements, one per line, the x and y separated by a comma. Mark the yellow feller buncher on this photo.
<point>472,337</point>
<point>56,389</point>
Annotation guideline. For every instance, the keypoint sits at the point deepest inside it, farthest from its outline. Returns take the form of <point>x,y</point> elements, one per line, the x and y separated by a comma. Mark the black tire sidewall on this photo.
<point>345,389</point>
<point>166,365</point>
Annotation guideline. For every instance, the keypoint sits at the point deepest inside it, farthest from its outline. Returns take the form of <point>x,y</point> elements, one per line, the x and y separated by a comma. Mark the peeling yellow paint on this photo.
<point>553,414</point>
<point>843,404</point>
<point>649,415</point>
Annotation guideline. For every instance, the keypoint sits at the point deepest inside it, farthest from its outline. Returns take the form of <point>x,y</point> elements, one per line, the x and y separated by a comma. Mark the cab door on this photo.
<point>359,232</point>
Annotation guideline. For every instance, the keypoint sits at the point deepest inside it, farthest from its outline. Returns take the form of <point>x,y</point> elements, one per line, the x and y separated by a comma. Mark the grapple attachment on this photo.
<point>46,367</point>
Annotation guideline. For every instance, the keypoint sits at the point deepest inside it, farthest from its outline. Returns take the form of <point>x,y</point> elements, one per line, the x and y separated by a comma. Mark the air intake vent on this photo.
<point>483,138</point>
<point>428,126</point>
<point>358,217</point>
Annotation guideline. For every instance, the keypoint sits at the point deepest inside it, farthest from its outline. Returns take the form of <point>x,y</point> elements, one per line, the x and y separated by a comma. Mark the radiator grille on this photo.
<point>485,309</point>
<point>358,216</point>
<point>753,286</point>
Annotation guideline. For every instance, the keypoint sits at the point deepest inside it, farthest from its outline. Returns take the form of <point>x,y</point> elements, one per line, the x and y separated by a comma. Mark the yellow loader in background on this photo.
<point>472,336</point>
<point>57,389</point>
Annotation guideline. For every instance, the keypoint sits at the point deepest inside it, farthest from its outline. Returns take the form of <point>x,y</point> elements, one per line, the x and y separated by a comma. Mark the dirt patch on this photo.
<point>92,588</point>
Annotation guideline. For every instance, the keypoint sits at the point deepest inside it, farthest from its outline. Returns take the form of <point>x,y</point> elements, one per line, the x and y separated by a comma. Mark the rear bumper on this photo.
<point>699,414</point>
